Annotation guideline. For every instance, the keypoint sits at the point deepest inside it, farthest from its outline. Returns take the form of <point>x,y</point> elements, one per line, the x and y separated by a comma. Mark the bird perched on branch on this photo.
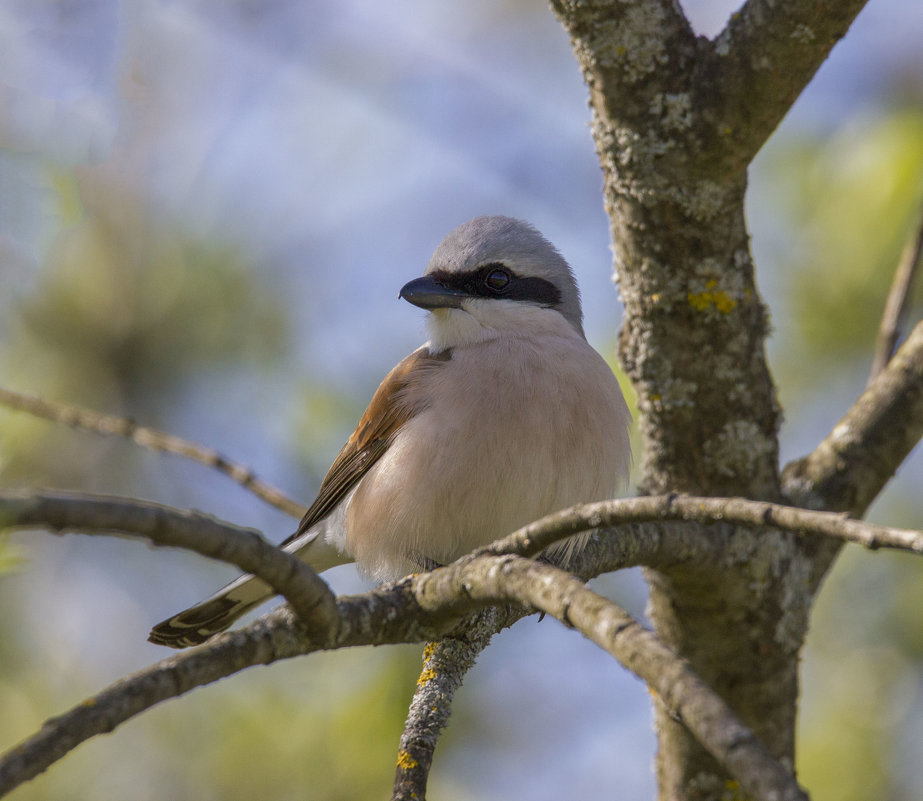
<point>505,415</point>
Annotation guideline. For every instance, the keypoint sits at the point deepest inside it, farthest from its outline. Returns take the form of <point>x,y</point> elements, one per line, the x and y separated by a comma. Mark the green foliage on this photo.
<point>135,302</point>
<point>852,203</point>
<point>127,309</point>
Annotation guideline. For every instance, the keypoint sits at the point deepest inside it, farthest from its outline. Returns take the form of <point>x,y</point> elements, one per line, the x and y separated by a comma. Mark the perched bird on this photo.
<point>505,415</point>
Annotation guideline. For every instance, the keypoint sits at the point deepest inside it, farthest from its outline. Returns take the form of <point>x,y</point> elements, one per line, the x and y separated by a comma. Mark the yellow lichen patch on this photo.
<point>428,650</point>
<point>426,676</point>
<point>719,299</point>
<point>405,761</point>
<point>733,791</point>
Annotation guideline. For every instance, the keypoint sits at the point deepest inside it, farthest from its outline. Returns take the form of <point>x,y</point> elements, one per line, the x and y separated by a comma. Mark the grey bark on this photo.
<point>676,120</point>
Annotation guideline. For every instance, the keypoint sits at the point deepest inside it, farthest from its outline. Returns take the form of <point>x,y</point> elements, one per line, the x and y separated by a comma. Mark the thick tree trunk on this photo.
<point>676,120</point>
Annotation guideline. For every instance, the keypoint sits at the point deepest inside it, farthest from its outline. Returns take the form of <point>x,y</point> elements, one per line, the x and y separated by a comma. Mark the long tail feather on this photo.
<point>198,623</point>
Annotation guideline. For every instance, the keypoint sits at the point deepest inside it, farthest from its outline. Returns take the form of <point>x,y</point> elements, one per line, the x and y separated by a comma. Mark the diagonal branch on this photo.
<point>264,642</point>
<point>308,594</point>
<point>88,420</point>
<point>762,61</point>
<point>898,299</point>
<point>445,665</point>
<point>385,616</point>
<point>848,469</point>
<point>683,694</point>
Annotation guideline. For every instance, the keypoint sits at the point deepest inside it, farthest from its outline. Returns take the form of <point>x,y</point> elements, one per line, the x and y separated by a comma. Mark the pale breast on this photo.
<point>506,432</point>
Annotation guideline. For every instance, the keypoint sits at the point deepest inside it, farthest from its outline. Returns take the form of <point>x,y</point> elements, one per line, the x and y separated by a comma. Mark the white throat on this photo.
<point>481,320</point>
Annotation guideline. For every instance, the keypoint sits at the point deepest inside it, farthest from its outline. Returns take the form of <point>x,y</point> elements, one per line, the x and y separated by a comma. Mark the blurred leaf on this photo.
<point>852,202</point>
<point>127,310</point>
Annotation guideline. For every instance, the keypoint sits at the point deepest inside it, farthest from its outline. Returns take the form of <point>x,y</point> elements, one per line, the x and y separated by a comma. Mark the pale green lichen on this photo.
<point>705,201</point>
<point>632,43</point>
<point>803,34</point>
<point>738,449</point>
<point>674,110</point>
<point>794,601</point>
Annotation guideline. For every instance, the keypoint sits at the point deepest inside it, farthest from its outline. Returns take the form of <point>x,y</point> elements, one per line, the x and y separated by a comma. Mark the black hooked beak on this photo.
<point>428,293</point>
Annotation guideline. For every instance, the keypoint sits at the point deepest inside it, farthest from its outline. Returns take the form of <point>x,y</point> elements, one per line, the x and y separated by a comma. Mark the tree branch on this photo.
<point>848,469</point>
<point>898,297</point>
<point>384,616</point>
<point>762,61</point>
<point>537,536</point>
<point>426,606</point>
<point>684,695</point>
<point>445,665</point>
<point>308,594</point>
<point>88,420</point>
<point>430,606</point>
<point>415,610</point>
<point>263,642</point>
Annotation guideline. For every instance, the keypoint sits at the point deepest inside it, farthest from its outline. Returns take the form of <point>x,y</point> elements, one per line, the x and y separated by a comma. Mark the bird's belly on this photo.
<point>448,485</point>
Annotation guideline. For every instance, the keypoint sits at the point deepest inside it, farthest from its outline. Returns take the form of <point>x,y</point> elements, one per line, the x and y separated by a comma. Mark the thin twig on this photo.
<point>892,319</point>
<point>88,420</point>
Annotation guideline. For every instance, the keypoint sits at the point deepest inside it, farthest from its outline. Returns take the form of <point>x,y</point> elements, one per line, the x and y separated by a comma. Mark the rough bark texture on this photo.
<point>676,121</point>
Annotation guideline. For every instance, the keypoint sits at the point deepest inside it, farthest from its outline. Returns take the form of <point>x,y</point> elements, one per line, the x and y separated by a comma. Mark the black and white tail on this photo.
<point>198,623</point>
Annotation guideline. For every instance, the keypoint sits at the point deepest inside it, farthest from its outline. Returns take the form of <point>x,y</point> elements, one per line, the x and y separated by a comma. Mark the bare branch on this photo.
<point>537,536</point>
<point>384,616</point>
<point>445,665</point>
<point>762,61</point>
<point>88,420</point>
<point>898,297</point>
<point>848,469</point>
<point>308,594</point>
<point>684,695</point>
<point>429,606</point>
<point>407,612</point>
<point>263,642</point>
<point>426,606</point>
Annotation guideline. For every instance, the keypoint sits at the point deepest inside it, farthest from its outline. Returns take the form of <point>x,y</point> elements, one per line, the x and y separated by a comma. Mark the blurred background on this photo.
<point>206,212</point>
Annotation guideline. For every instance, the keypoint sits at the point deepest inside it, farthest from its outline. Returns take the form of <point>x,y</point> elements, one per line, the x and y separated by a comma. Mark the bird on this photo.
<point>504,415</point>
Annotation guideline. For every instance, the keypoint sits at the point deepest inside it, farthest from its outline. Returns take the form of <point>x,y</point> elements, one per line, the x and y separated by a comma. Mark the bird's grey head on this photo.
<point>502,258</point>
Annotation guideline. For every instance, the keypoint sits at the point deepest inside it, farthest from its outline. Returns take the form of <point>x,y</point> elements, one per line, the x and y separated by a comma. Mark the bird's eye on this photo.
<point>497,280</point>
